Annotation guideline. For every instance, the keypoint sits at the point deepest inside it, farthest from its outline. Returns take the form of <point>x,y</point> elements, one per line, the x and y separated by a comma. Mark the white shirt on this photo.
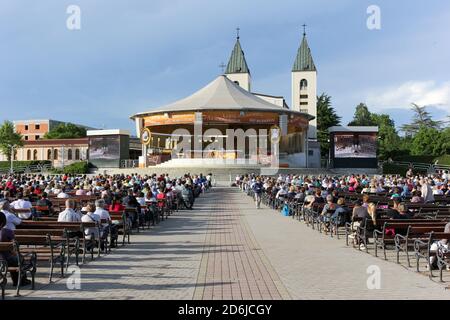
<point>22,204</point>
<point>62,195</point>
<point>11,220</point>
<point>91,217</point>
<point>103,214</point>
<point>69,215</point>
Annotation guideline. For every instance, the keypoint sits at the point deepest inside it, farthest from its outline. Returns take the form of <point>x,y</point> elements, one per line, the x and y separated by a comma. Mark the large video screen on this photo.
<point>355,145</point>
<point>107,148</point>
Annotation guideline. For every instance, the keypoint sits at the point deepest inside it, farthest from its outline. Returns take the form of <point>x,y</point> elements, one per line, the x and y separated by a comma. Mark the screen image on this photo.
<point>355,145</point>
<point>107,148</point>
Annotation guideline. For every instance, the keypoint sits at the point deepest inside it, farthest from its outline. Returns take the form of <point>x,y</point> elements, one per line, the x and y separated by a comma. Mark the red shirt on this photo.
<point>116,207</point>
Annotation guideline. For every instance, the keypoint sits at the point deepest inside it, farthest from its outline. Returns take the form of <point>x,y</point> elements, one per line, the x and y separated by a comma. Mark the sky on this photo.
<point>132,56</point>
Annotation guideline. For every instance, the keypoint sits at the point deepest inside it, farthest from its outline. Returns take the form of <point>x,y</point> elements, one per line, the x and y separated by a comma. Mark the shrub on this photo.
<point>81,167</point>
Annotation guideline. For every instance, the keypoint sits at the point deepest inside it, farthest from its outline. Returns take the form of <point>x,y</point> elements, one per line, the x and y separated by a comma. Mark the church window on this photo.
<point>303,84</point>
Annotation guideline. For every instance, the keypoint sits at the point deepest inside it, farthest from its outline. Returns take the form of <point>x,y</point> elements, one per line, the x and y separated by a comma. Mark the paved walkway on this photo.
<point>225,249</point>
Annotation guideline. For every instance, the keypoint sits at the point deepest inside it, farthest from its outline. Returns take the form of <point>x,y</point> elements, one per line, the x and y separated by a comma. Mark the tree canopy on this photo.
<point>66,131</point>
<point>421,118</point>
<point>362,116</point>
<point>326,117</point>
<point>9,138</point>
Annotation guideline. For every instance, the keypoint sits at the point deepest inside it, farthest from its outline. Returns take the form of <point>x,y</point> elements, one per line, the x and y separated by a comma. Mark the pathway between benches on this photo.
<point>226,249</point>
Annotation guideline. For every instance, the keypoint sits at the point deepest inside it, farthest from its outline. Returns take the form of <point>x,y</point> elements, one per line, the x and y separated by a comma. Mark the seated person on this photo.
<point>22,204</point>
<point>90,216</point>
<point>443,243</point>
<point>11,219</point>
<point>7,235</point>
<point>45,202</point>
<point>69,214</point>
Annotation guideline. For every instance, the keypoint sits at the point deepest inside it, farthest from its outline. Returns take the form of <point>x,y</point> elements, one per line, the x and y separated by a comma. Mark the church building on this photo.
<point>230,103</point>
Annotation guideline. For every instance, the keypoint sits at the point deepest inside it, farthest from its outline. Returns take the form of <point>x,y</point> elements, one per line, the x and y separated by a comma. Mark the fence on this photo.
<point>129,163</point>
<point>429,168</point>
<point>34,168</point>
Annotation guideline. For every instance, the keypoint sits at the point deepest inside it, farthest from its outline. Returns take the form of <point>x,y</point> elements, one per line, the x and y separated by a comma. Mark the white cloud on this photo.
<point>420,92</point>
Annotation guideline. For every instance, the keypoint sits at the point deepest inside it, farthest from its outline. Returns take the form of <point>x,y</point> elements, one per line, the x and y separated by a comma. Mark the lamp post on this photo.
<point>12,159</point>
<point>62,156</point>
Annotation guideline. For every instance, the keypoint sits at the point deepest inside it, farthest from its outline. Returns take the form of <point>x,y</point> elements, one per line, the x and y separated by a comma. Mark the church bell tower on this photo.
<point>304,85</point>
<point>237,68</point>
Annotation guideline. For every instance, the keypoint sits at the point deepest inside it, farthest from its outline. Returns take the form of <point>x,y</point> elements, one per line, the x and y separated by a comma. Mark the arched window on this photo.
<point>77,154</point>
<point>49,154</point>
<point>55,154</point>
<point>28,154</point>
<point>303,84</point>
<point>69,154</point>
<point>35,157</point>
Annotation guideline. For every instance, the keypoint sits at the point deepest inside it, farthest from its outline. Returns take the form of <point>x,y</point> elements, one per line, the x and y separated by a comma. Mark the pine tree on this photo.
<point>326,117</point>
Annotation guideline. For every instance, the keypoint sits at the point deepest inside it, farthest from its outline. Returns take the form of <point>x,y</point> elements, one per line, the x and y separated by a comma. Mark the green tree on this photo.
<point>9,138</point>
<point>326,117</point>
<point>421,118</point>
<point>427,141</point>
<point>66,131</point>
<point>388,138</point>
<point>362,116</point>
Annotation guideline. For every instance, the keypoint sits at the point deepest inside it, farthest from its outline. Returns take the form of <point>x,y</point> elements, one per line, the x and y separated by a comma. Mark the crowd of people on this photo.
<point>22,195</point>
<point>327,191</point>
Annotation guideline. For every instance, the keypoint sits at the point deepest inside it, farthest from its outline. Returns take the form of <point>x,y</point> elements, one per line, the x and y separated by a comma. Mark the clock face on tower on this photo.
<point>146,136</point>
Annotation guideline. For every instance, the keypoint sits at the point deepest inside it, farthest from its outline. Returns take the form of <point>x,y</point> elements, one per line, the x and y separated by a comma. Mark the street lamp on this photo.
<point>12,159</point>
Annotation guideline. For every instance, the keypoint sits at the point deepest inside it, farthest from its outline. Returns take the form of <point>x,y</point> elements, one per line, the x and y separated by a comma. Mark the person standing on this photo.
<point>257,189</point>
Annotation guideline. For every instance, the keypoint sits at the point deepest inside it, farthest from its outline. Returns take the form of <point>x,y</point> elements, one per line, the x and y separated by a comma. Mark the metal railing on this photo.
<point>129,163</point>
<point>429,168</point>
<point>34,168</point>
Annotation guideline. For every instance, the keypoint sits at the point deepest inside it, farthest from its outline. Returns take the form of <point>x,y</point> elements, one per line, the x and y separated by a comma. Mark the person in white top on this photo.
<point>63,195</point>
<point>69,214</point>
<point>101,212</point>
<point>90,216</point>
<point>426,190</point>
<point>21,204</point>
<point>11,219</point>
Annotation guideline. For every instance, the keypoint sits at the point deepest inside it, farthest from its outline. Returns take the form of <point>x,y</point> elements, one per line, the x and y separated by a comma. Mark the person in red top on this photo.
<point>161,197</point>
<point>116,205</point>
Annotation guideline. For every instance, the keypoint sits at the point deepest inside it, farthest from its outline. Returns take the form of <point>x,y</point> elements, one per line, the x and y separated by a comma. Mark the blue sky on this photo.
<point>132,56</point>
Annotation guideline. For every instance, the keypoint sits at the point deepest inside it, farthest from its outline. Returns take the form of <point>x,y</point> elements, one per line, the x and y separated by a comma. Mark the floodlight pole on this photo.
<point>12,159</point>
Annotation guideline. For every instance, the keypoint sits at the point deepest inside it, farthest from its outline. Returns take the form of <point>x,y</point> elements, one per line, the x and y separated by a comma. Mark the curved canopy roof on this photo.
<point>220,94</point>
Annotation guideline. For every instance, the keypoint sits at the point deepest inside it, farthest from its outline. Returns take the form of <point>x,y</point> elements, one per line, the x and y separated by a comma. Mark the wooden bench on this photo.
<point>75,231</point>
<point>49,246</point>
<point>120,219</point>
<point>422,248</point>
<point>415,231</point>
<point>382,239</point>
<point>25,263</point>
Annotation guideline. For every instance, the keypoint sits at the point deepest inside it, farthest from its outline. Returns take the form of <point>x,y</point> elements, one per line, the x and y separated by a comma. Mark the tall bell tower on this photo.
<point>304,85</point>
<point>237,68</point>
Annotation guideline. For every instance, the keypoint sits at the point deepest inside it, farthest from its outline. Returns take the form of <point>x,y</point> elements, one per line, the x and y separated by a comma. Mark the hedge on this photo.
<point>20,164</point>
<point>74,168</point>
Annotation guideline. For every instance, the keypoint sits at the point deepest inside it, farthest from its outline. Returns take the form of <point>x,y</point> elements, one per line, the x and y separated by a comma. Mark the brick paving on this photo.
<point>226,249</point>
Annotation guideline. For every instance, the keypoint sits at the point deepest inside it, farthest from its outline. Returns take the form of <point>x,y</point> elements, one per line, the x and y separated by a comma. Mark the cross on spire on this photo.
<point>237,32</point>
<point>304,29</point>
<point>222,66</point>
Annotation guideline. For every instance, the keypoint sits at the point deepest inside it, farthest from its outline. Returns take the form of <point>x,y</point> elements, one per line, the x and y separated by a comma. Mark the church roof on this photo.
<point>220,94</point>
<point>237,63</point>
<point>304,60</point>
